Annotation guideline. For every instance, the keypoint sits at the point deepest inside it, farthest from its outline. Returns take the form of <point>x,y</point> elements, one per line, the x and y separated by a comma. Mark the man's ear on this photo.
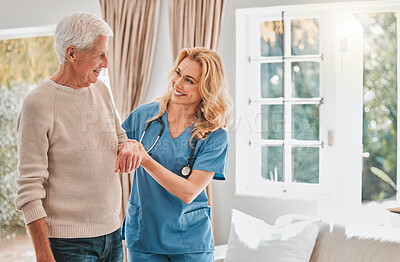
<point>71,53</point>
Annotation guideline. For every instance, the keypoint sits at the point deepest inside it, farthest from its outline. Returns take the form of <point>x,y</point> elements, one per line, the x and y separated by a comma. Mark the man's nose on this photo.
<point>104,62</point>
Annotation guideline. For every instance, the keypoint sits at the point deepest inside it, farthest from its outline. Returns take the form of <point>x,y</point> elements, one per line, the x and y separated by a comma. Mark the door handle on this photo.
<point>365,155</point>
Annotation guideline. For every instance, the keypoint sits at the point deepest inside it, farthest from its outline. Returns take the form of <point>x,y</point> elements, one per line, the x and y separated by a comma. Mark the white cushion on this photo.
<point>288,219</point>
<point>252,239</point>
<point>220,253</point>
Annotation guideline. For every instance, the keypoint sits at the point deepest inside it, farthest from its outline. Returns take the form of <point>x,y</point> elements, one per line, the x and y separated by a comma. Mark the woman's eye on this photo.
<point>177,73</point>
<point>189,81</point>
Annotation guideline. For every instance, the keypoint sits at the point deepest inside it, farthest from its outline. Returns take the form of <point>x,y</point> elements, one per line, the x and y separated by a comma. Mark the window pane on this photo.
<point>305,37</point>
<point>305,79</point>
<point>305,164</point>
<point>271,80</point>
<point>271,122</point>
<point>379,177</point>
<point>305,122</point>
<point>271,163</point>
<point>23,64</point>
<point>271,38</point>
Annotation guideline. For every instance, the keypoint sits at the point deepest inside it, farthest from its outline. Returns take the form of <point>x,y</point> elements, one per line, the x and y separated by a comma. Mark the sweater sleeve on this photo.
<point>34,131</point>
<point>119,130</point>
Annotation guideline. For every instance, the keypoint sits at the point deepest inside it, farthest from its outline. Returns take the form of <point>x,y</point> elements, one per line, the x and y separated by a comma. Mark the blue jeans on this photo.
<point>107,248</point>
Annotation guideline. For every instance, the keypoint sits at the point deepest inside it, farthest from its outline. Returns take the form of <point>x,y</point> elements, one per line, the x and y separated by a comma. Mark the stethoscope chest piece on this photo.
<point>186,170</point>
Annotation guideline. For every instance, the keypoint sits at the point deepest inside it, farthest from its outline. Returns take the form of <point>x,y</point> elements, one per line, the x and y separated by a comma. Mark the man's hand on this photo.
<point>38,232</point>
<point>129,156</point>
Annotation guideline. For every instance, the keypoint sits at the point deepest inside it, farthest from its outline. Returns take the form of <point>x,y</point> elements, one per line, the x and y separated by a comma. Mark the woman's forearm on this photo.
<point>185,189</point>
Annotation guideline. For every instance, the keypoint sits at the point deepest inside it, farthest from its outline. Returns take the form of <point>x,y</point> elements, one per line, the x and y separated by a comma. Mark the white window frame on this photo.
<point>248,140</point>
<point>27,32</point>
<point>340,157</point>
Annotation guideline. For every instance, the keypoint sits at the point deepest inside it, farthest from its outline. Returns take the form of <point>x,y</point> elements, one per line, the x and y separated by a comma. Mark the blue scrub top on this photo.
<point>157,221</point>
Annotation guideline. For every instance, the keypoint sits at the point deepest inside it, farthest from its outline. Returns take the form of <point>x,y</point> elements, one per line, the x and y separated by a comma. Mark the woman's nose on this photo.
<point>178,81</point>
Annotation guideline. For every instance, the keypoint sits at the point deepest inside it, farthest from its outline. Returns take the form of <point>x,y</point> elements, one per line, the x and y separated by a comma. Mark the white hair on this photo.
<point>79,30</point>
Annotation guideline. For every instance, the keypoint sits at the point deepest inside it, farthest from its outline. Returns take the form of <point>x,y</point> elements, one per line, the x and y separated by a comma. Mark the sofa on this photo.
<point>298,238</point>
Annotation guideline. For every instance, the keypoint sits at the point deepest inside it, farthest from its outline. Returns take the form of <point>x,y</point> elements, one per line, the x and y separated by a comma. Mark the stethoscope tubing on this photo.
<point>186,169</point>
<point>159,134</point>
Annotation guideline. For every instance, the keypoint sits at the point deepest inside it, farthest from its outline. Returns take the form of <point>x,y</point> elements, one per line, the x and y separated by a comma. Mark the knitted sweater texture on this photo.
<point>67,148</point>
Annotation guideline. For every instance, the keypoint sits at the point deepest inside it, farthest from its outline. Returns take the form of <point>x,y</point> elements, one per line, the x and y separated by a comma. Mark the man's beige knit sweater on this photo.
<point>68,143</point>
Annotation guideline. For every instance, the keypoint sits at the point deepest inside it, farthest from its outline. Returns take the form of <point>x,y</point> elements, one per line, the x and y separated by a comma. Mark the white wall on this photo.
<point>27,13</point>
<point>20,13</point>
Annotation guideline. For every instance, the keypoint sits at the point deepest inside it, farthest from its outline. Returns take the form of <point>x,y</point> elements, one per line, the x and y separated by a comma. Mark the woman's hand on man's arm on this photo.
<point>130,155</point>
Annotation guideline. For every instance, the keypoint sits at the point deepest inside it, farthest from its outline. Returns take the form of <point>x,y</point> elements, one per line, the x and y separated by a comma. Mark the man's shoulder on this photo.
<point>40,95</point>
<point>101,84</point>
<point>102,88</point>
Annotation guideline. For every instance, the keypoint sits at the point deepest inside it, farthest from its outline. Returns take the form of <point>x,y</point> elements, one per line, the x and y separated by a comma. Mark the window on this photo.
<point>24,62</point>
<point>379,105</point>
<point>279,98</point>
<point>314,83</point>
<point>372,54</point>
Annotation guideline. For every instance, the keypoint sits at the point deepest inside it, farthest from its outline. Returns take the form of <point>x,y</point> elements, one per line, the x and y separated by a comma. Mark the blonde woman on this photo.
<point>181,146</point>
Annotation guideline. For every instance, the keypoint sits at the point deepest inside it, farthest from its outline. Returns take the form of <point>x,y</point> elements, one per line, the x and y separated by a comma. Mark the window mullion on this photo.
<point>287,150</point>
<point>398,108</point>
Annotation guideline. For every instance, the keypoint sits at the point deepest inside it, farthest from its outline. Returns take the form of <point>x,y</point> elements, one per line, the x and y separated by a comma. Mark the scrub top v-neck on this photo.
<point>156,221</point>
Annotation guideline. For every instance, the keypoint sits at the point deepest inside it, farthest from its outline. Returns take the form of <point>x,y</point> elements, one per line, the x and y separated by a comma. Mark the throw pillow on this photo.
<point>252,239</point>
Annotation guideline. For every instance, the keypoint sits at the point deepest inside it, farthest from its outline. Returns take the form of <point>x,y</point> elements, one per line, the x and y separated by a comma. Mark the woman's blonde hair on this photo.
<point>216,103</point>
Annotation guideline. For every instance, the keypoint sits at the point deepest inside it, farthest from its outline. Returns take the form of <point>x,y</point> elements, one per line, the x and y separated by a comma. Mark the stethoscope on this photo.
<point>185,170</point>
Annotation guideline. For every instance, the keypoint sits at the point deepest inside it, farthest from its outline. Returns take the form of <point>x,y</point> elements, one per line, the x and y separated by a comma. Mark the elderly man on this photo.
<point>69,134</point>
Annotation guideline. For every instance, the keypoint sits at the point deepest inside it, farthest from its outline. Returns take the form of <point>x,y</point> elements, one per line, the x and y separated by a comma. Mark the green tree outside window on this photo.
<point>24,63</point>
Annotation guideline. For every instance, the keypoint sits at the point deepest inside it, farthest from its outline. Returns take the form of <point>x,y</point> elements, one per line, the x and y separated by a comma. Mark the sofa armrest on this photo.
<point>220,253</point>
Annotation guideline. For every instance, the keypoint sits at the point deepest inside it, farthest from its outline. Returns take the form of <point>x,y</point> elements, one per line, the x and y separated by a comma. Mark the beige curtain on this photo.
<point>134,24</point>
<point>130,51</point>
<point>196,23</point>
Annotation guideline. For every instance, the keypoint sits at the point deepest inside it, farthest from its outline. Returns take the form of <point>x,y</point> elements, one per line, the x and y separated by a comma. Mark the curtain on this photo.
<point>195,23</point>
<point>130,51</point>
<point>134,23</point>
